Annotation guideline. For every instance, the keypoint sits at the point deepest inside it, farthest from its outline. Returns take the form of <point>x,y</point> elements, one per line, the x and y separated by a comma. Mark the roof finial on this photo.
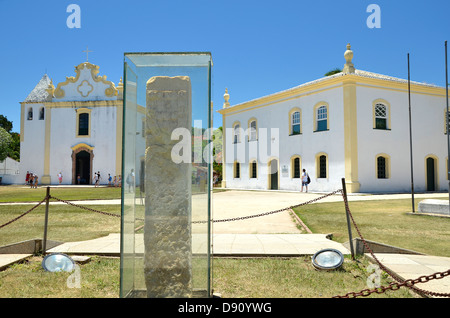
<point>226,97</point>
<point>348,67</point>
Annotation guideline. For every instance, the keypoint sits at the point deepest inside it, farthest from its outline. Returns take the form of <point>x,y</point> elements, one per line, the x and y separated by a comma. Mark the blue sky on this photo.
<point>258,47</point>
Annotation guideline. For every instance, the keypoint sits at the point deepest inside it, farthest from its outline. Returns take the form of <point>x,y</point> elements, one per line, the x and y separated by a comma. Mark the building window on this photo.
<point>41,113</point>
<point>253,170</point>
<point>295,166</point>
<point>322,165</point>
<point>295,124</point>
<point>30,114</point>
<point>237,170</point>
<point>236,133</point>
<point>321,116</point>
<point>381,116</point>
<point>253,135</point>
<point>83,124</point>
<point>381,168</point>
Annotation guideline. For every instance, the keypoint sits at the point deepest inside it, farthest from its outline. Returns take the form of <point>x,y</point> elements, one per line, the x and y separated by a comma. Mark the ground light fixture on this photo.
<point>327,259</point>
<point>57,262</point>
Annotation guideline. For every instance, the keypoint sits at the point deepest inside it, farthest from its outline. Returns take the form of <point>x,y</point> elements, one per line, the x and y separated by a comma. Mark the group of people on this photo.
<point>31,179</point>
<point>112,182</point>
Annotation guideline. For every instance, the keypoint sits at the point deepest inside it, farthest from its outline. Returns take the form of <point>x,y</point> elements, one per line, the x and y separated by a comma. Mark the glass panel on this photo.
<point>322,125</point>
<point>167,173</point>
<point>380,123</point>
<point>296,129</point>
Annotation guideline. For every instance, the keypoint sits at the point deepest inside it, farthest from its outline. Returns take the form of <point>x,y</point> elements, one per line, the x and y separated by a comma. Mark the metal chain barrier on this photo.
<point>83,207</point>
<point>271,212</point>
<point>365,292</point>
<point>400,282</point>
<point>23,214</point>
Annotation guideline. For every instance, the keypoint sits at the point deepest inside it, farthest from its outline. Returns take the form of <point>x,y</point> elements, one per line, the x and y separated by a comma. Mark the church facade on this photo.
<point>73,129</point>
<point>352,125</point>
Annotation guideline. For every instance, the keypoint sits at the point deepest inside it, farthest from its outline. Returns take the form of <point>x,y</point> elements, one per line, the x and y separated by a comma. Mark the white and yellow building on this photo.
<point>74,129</point>
<point>352,125</point>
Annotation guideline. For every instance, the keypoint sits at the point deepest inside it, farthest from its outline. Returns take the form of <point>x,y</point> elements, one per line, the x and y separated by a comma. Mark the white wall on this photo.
<point>33,145</point>
<point>307,145</point>
<point>428,138</point>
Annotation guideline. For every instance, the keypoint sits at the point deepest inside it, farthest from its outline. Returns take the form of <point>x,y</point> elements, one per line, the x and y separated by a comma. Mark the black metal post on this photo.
<point>344,193</point>
<point>44,242</point>
<point>410,139</point>
<point>447,119</point>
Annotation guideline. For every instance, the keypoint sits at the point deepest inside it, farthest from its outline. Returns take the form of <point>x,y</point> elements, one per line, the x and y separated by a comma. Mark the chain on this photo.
<point>85,208</point>
<point>400,282</point>
<point>270,212</point>
<point>23,214</point>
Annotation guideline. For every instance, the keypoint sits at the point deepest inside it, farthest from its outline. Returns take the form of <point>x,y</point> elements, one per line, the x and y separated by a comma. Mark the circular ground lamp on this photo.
<point>57,262</point>
<point>327,259</point>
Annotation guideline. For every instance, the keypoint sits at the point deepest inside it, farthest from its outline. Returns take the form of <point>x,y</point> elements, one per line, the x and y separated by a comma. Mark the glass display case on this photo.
<point>166,176</point>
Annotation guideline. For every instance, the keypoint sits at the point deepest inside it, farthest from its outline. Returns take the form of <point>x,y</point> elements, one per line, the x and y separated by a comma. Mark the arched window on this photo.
<point>295,167</point>
<point>236,133</point>
<point>380,116</point>
<point>295,123</point>
<point>41,113</point>
<point>382,166</point>
<point>83,126</point>
<point>322,118</point>
<point>237,170</point>
<point>30,114</point>
<point>322,165</point>
<point>252,126</point>
<point>253,169</point>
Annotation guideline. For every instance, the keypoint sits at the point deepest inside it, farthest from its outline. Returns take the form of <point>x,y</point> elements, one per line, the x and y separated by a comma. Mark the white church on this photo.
<point>352,125</point>
<point>74,128</point>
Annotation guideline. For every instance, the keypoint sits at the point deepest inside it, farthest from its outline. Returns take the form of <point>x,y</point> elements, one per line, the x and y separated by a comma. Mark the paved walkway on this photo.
<point>275,234</point>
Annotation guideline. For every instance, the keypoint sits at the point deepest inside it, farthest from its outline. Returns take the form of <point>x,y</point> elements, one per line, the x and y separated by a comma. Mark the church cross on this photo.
<point>87,53</point>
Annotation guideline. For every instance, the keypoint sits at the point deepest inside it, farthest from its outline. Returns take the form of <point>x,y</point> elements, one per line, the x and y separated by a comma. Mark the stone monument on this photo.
<point>167,230</point>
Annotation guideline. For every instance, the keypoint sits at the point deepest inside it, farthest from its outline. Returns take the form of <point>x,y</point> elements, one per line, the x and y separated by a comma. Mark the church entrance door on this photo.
<point>82,158</point>
<point>83,167</point>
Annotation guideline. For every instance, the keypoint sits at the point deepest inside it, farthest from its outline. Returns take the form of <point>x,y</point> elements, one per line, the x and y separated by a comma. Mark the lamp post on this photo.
<point>410,139</point>
<point>447,121</point>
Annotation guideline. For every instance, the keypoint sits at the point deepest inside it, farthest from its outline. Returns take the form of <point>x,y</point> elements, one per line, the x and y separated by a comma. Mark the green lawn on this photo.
<point>21,193</point>
<point>383,221</point>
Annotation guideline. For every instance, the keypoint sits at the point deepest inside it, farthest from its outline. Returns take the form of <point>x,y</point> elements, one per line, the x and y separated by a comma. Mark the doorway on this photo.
<point>273,174</point>
<point>83,167</point>
<point>431,174</point>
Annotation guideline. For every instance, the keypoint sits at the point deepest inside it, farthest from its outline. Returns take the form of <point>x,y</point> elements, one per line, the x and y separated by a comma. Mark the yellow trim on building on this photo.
<point>315,109</point>
<point>291,112</point>
<point>350,138</point>
<point>318,155</point>
<point>387,163</point>
<point>80,111</point>
<point>46,178</point>
<point>110,91</point>
<point>388,112</point>
<point>82,145</point>
<point>331,83</point>
<point>250,168</point>
<point>299,163</point>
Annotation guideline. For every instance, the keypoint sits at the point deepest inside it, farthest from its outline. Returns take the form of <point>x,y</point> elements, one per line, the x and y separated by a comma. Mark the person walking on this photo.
<point>60,177</point>
<point>305,180</point>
